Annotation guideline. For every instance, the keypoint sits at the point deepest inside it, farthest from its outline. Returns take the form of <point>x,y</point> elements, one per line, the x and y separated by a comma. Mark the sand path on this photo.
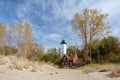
<point>51,74</point>
<point>45,72</point>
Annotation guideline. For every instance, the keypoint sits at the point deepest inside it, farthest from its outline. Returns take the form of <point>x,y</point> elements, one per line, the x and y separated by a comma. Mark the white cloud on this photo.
<point>66,9</point>
<point>51,37</point>
<point>56,16</point>
<point>69,8</point>
<point>54,36</point>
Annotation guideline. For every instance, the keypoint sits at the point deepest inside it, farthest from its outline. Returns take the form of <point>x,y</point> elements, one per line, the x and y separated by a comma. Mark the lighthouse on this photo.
<point>63,48</point>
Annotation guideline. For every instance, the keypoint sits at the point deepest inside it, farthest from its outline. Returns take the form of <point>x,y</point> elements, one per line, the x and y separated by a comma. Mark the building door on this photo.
<point>70,63</point>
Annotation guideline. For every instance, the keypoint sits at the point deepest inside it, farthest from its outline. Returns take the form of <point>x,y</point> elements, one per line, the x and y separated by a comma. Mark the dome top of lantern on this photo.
<point>63,42</point>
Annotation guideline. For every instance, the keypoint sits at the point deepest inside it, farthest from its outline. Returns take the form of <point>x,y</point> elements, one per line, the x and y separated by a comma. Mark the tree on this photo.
<point>10,50</point>
<point>95,50</point>
<point>71,49</point>
<point>37,51</point>
<point>2,38</point>
<point>11,36</point>
<point>110,48</point>
<point>10,40</point>
<point>19,32</point>
<point>2,34</point>
<point>24,39</point>
<point>27,33</point>
<point>38,48</point>
<point>18,39</point>
<point>89,25</point>
<point>74,49</point>
<point>27,40</point>
<point>52,55</point>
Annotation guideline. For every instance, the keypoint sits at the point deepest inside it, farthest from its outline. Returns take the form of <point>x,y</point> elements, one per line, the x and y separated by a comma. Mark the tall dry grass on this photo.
<point>20,63</point>
<point>23,63</point>
<point>90,68</point>
<point>3,61</point>
<point>113,68</point>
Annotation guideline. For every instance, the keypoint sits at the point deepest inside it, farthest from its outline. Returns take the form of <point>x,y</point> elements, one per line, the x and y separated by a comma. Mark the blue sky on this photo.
<point>50,19</point>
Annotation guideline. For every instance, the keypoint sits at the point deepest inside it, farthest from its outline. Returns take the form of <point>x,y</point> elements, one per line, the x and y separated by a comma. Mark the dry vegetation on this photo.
<point>19,63</point>
<point>22,64</point>
<point>90,68</point>
<point>3,61</point>
<point>113,68</point>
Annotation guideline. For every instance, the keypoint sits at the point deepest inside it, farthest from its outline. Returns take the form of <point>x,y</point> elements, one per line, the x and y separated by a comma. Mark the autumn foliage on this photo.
<point>89,25</point>
<point>17,39</point>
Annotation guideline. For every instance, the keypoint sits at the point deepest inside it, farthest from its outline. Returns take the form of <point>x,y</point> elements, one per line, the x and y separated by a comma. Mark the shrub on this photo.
<point>113,57</point>
<point>8,50</point>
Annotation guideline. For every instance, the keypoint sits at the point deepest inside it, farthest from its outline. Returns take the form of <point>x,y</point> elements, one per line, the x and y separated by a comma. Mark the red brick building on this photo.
<point>68,60</point>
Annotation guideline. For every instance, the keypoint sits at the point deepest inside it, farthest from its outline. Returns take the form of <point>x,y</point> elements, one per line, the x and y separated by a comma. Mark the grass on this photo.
<point>89,68</point>
<point>23,63</point>
<point>34,68</point>
<point>3,61</point>
<point>113,68</point>
<point>20,63</point>
<point>2,72</point>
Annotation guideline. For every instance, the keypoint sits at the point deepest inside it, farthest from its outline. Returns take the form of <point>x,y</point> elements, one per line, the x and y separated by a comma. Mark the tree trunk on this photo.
<point>85,54</point>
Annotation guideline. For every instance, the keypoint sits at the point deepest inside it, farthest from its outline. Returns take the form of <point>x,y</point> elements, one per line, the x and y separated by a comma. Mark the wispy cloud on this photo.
<point>50,19</point>
<point>55,16</point>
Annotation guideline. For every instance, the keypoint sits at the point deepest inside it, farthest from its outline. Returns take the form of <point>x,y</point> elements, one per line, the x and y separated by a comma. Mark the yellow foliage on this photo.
<point>89,25</point>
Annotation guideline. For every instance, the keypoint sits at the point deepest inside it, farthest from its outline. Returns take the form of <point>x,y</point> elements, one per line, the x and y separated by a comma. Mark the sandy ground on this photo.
<point>47,72</point>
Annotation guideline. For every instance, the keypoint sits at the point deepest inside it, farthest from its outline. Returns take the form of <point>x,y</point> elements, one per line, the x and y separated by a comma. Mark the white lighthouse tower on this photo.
<point>63,48</point>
